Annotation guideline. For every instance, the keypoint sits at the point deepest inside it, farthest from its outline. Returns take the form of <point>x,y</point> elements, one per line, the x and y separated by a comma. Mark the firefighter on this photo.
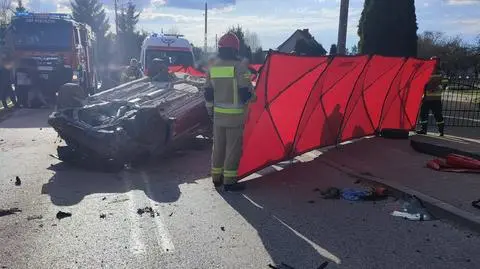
<point>227,92</point>
<point>132,72</point>
<point>432,101</point>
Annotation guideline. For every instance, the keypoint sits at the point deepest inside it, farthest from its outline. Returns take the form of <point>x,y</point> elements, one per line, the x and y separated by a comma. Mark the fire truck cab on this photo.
<point>173,49</point>
<point>61,49</point>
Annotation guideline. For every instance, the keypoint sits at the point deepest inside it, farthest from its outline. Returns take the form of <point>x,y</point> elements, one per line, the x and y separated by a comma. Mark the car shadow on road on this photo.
<point>159,179</point>
<point>26,118</point>
<point>285,209</point>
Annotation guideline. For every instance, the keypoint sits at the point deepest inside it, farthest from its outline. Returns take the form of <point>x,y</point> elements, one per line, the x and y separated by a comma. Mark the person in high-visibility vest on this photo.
<point>227,93</point>
<point>433,101</point>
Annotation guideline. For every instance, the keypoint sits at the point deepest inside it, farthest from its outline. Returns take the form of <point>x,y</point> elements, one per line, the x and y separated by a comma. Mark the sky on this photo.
<point>275,20</point>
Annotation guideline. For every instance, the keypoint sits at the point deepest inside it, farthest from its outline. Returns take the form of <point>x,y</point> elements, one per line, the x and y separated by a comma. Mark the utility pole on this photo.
<point>206,28</point>
<point>342,27</point>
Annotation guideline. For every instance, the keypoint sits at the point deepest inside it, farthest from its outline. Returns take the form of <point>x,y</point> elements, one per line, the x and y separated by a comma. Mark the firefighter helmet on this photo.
<point>229,40</point>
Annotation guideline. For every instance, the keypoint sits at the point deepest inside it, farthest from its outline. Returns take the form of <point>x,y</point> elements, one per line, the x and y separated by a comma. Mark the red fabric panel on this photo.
<point>305,103</point>
<point>285,72</point>
<point>186,69</point>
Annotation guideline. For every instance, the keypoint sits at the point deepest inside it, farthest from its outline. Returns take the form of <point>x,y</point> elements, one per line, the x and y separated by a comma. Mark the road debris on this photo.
<point>222,228</point>
<point>62,215</point>
<point>171,214</point>
<point>323,265</point>
<point>104,198</point>
<point>476,204</point>
<point>34,217</point>
<point>311,201</point>
<point>147,209</point>
<point>9,211</point>
<point>412,209</point>
<point>102,216</point>
<point>330,193</point>
<point>18,182</point>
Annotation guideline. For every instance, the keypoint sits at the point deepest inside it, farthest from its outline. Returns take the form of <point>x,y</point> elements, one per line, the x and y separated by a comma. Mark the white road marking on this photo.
<point>136,244</point>
<point>163,236</point>
<point>325,253</point>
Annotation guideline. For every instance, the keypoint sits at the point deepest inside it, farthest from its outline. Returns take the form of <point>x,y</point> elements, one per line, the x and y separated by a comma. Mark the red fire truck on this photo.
<point>61,48</point>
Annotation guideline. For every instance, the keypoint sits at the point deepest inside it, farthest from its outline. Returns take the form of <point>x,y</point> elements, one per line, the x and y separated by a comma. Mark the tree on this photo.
<point>245,51</point>
<point>173,31</point>
<point>252,40</point>
<point>333,50</point>
<point>456,56</point>
<point>5,8</point>
<point>388,28</point>
<point>354,50</point>
<point>92,12</point>
<point>258,56</point>
<point>127,37</point>
<point>20,8</point>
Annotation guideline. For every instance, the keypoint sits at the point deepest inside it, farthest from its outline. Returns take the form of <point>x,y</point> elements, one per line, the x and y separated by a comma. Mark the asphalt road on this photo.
<point>279,219</point>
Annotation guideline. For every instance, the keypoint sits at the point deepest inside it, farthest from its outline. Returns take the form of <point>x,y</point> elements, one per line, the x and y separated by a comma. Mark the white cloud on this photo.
<point>463,2</point>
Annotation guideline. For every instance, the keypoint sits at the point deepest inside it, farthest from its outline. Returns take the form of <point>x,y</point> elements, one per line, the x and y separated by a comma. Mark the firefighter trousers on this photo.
<point>436,107</point>
<point>226,153</point>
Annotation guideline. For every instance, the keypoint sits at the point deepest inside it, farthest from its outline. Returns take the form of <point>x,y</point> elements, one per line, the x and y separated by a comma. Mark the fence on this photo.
<point>461,102</point>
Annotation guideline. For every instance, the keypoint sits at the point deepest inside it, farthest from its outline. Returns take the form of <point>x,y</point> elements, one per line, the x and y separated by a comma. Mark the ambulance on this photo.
<point>173,49</point>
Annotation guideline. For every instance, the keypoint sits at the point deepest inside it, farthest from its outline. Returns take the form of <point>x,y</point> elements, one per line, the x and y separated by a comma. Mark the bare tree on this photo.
<point>5,11</point>
<point>252,40</point>
<point>173,31</point>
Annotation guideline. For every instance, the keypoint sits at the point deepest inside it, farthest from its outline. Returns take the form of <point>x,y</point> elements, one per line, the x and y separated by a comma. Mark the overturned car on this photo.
<point>129,123</point>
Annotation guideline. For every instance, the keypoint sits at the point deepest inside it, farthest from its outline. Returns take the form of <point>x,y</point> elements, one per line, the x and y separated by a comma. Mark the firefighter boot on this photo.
<point>238,186</point>
<point>423,130</point>
<point>441,128</point>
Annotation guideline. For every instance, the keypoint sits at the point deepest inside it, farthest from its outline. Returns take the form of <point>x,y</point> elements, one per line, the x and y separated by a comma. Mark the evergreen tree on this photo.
<point>388,27</point>
<point>20,8</point>
<point>333,50</point>
<point>127,37</point>
<point>91,12</point>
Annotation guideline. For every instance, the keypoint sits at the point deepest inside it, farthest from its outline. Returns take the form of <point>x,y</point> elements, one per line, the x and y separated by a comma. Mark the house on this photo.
<point>289,45</point>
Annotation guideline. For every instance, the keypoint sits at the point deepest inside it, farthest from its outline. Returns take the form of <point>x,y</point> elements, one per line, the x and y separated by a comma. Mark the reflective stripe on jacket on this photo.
<point>226,77</point>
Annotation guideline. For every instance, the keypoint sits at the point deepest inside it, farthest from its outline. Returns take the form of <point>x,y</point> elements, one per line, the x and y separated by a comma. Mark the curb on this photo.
<point>440,150</point>
<point>438,208</point>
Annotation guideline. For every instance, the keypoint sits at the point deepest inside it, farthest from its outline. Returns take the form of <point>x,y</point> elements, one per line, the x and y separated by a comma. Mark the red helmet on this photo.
<point>229,40</point>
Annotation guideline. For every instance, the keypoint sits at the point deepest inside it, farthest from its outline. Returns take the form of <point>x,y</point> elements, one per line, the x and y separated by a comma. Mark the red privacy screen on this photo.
<point>305,103</point>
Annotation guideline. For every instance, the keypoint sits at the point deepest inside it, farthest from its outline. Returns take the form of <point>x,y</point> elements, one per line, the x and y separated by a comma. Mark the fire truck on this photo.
<point>61,49</point>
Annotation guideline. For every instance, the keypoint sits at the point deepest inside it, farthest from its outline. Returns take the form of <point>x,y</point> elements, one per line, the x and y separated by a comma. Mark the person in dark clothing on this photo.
<point>6,90</point>
<point>158,71</point>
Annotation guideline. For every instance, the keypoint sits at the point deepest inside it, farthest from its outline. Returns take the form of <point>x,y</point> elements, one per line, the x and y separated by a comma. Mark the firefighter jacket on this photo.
<point>433,91</point>
<point>131,73</point>
<point>228,91</point>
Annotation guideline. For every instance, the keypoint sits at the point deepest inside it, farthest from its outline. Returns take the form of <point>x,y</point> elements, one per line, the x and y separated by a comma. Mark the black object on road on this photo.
<point>331,193</point>
<point>62,215</point>
<point>323,265</point>
<point>102,216</point>
<point>9,211</point>
<point>18,182</point>
<point>476,204</point>
<point>147,209</point>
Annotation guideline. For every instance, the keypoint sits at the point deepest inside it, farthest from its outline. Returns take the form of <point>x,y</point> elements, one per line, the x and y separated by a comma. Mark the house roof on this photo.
<point>305,34</point>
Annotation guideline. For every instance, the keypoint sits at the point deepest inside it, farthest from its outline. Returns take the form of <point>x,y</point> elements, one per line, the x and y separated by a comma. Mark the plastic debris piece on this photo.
<point>18,182</point>
<point>412,209</point>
